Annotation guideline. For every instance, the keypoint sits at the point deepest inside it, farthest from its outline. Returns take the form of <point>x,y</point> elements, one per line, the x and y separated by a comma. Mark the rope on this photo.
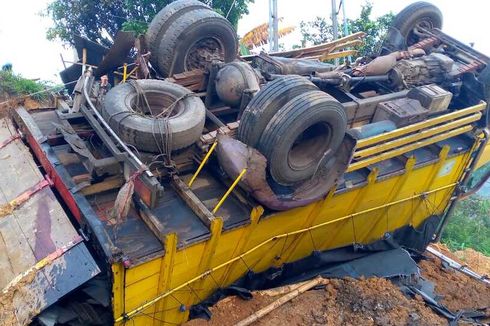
<point>140,94</point>
<point>161,127</point>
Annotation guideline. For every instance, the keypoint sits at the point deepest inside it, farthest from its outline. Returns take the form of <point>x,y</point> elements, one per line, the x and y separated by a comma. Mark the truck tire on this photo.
<point>418,13</point>
<point>162,20</point>
<point>304,133</point>
<point>266,103</point>
<point>140,128</point>
<point>193,41</point>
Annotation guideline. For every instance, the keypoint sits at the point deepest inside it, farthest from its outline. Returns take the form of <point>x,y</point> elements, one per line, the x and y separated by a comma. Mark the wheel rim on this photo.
<point>310,146</point>
<point>425,23</point>
<point>158,102</point>
<point>203,52</point>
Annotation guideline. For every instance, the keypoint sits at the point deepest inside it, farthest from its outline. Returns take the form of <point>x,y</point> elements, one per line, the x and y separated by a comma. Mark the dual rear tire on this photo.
<point>188,35</point>
<point>297,127</point>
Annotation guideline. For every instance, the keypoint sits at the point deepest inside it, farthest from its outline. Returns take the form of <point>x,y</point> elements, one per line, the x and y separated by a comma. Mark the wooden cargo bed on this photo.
<point>42,256</point>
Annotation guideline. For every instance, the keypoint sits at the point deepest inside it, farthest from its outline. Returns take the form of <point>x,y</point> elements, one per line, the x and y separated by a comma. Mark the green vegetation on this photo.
<point>320,30</point>
<point>100,20</point>
<point>13,84</point>
<point>469,226</point>
<point>16,85</point>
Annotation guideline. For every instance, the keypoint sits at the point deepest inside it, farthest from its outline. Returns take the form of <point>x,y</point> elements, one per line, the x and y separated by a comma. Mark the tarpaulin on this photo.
<point>383,258</point>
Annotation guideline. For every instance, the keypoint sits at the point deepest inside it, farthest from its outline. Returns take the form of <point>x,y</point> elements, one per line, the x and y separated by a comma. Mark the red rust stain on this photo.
<point>44,244</point>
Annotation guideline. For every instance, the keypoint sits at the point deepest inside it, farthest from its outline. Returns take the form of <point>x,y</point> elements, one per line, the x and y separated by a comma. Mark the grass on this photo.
<point>16,85</point>
<point>469,226</point>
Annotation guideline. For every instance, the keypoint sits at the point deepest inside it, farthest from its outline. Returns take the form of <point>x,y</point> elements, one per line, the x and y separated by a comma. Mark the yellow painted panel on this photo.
<point>142,271</point>
<point>420,125</point>
<point>360,215</point>
<point>422,134</point>
<point>141,291</point>
<point>118,289</point>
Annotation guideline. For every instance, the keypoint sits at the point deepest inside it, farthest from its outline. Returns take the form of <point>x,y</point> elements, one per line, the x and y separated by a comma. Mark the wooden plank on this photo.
<point>62,105</point>
<point>153,224</point>
<point>68,158</point>
<point>108,184</point>
<point>40,225</point>
<point>16,254</point>
<point>191,199</point>
<point>33,231</point>
<point>230,129</point>
<point>305,52</point>
<point>41,218</point>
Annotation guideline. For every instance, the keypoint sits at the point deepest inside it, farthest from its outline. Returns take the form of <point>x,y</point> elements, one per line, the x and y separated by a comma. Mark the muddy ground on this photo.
<point>372,301</point>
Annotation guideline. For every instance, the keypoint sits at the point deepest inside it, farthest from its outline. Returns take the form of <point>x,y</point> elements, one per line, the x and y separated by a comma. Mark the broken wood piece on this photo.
<point>108,184</point>
<point>86,177</point>
<point>282,289</point>
<point>279,302</point>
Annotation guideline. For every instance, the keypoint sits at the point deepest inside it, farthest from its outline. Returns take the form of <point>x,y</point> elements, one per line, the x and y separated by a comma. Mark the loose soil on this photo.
<point>7,103</point>
<point>372,301</point>
<point>457,290</point>
<point>468,257</point>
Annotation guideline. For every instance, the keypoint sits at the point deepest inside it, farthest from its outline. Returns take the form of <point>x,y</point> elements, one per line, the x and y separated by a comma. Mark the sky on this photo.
<point>23,42</point>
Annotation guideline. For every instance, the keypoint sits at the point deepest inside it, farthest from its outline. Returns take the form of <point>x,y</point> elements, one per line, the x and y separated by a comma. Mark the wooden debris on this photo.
<point>320,50</point>
<point>193,80</point>
<point>282,300</point>
<point>230,129</point>
<point>281,290</point>
<point>191,199</point>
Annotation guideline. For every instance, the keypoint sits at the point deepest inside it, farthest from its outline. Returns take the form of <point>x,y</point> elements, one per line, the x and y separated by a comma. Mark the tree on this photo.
<point>320,31</point>
<point>99,20</point>
<point>316,31</point>
<point>7,67</point>
<point>374,29</point>
<point>469,226</point>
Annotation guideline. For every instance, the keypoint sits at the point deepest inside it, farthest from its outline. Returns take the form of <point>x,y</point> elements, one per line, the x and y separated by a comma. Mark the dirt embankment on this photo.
<point>468,257</point>
<point>7,103</point>
<point>479,262</point>
<point>457,290</point>
<point>372,301</point>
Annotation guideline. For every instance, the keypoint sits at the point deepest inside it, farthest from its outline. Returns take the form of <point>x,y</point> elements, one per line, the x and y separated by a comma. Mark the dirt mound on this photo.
<point>475,260</point>
<point>7,103</point>
<point>457,290</point>
<point>478,261</point>
<point>372,301</point>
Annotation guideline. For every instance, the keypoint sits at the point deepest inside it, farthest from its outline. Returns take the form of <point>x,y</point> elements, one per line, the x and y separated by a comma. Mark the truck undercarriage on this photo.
<point>195,172</point>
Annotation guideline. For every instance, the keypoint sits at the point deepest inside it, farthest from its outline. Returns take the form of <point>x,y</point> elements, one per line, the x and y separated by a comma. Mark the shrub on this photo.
<point>16,85</point>
<point>469,226</point>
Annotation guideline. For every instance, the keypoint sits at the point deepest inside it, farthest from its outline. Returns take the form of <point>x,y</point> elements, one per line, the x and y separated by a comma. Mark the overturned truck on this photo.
<point>160,183</point>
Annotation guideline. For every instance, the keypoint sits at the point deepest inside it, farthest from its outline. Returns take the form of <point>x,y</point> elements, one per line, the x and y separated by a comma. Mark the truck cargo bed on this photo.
<point>43,256</point>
